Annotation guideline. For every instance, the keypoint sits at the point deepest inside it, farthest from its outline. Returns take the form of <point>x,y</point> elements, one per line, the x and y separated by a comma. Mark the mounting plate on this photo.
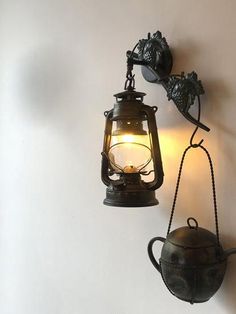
<point>156,53</point>
<point>156,62</point>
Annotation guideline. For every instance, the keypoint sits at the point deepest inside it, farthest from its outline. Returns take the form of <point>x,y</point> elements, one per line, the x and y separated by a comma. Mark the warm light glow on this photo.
<point>130,169</point>
<point>129,152</point>
<point>131,138</point>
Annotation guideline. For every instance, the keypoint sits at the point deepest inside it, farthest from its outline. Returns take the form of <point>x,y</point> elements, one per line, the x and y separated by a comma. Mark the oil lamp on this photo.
<point>131,158</point>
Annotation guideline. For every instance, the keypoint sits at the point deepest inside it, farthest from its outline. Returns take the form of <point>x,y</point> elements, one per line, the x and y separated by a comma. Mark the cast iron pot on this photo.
<point>192,262</point>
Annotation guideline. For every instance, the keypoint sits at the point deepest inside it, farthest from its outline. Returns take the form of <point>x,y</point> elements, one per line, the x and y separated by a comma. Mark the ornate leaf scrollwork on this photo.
<point>183,89</point>
<point>156,59</point>
<point>152,49</point>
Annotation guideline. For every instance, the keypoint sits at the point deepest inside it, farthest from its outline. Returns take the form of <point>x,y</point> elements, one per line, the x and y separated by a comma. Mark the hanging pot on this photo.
<point>192,262</point>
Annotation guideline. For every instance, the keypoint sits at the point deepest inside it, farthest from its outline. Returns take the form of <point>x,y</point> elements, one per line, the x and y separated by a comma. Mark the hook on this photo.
<point>195,145</point>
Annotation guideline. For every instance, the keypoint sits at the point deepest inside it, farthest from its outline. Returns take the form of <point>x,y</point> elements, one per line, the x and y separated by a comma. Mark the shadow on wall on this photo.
<point>221,103</point>
<point>47,79</point>
<point>217,96</point>
<point>228,288</point>
<point>183,56</point>
<point>51,93</point>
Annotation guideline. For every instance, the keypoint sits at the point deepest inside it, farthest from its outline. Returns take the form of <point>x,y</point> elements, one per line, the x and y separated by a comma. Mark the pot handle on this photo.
<point>150,252</point>
<point>228,252</point>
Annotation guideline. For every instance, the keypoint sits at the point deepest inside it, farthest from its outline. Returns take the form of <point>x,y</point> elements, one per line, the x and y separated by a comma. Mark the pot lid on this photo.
<point>192,236</point>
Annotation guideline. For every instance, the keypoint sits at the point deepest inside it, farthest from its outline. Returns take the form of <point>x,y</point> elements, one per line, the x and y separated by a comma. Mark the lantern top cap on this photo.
<point>129,95</point>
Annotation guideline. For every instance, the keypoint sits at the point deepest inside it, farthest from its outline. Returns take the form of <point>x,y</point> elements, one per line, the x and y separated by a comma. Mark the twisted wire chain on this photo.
<point>213,192</point>
<point>196,145</point>
<point>177,188</point>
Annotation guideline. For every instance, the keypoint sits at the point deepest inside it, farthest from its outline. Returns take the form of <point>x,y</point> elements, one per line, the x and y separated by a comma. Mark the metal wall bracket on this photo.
<point>156,62</point>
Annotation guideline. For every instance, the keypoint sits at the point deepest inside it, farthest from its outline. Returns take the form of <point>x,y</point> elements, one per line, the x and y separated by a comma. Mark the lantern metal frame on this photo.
<point>130,190</point>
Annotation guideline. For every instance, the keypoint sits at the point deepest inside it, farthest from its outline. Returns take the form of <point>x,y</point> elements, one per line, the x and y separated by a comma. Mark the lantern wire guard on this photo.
<point>193,146</point>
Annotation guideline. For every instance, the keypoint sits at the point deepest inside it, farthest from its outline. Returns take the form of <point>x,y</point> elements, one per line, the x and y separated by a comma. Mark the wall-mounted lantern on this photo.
<point>131,157</point>
<point>131,152</point>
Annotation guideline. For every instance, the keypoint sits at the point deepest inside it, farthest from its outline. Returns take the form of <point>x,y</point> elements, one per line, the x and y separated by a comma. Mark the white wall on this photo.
<point>61,250</point>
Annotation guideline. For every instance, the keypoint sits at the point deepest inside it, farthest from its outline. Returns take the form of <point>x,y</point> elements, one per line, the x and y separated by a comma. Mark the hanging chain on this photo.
<point>196,145</point>
<point>130,81</point>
